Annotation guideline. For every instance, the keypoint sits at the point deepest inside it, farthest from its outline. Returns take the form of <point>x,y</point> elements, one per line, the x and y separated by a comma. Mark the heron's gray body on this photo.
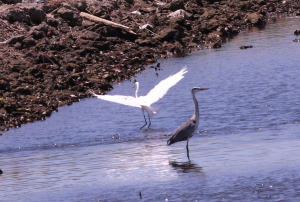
<point>187,129</point>
<point>183,132</point>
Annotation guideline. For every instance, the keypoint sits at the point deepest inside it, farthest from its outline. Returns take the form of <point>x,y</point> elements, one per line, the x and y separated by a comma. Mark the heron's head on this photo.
<point>197,89</point>
<point>135,83</point>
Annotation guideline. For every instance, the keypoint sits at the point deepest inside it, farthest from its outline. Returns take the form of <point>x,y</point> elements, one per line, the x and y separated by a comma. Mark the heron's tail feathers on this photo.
<point>169,142</point>
<point>172,140</point>
<point>151,110</point>
<point>175,138</point>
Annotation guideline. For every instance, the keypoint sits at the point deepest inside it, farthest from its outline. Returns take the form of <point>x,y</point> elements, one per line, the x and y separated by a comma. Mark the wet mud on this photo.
<point>51,55</point>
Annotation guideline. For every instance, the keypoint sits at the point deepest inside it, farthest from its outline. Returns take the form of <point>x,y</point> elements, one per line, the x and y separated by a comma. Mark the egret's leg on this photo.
<point>149,121</point>
<point>145,119</point>
<point>187,148</point>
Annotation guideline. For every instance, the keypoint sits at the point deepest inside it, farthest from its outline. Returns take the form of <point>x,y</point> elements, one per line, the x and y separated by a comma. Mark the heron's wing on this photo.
<point>162,88</point>
<point>183,132</point>
<point>120,99</point>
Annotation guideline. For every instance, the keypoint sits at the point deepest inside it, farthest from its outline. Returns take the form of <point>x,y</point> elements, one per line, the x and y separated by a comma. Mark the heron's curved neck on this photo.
<point>137,89</point>
<point>196,106</point>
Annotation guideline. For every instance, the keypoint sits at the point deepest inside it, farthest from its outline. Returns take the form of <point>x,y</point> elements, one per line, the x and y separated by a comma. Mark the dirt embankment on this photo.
<point>50,56</point>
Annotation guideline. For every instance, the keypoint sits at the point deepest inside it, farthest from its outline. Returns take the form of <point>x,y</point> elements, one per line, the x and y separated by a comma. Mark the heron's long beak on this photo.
<point>133,85</point>
<point>204,88</point>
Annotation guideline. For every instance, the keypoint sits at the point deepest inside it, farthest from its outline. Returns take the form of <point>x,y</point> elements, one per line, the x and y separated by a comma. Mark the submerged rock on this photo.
<point>297,32</point>
<point>245,47</point>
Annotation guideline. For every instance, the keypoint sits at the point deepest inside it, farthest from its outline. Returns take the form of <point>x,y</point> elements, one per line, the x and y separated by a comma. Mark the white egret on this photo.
<point>144,102</point>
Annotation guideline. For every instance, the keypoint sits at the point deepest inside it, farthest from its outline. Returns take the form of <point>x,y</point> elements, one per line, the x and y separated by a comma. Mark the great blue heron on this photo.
<point>144,102</point>
<point>187,130</point>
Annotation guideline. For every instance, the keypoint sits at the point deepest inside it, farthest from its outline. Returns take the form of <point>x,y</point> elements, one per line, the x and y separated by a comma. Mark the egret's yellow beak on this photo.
<point>133,85</point>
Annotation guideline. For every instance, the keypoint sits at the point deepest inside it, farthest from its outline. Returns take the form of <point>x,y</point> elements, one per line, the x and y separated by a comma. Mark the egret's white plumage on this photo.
<point>145,102</point>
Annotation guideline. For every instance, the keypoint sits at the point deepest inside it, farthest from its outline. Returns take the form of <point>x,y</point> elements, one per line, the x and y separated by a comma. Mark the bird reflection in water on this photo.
<point>186,167</point>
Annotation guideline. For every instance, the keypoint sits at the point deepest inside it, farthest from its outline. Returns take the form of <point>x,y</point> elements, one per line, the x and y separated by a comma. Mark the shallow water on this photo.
<point>246,147</point>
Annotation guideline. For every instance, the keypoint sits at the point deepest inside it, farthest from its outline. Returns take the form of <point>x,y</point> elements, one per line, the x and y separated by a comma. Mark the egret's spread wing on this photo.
<point>125,100</point>
<point>162,88</point>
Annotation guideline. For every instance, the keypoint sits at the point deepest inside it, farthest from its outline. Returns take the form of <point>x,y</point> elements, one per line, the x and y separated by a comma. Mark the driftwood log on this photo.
<point>106,22</point>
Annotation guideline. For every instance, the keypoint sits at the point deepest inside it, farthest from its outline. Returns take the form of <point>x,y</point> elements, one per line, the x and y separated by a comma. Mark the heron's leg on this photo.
<point>145,119</point>
<point>187,148</point>
<point>149,121</point>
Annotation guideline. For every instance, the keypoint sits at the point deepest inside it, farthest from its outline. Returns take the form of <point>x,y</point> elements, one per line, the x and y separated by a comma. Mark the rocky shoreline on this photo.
<point>50,55</point>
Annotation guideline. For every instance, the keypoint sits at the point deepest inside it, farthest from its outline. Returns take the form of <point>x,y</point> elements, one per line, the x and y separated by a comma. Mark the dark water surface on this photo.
<point>246,148</point>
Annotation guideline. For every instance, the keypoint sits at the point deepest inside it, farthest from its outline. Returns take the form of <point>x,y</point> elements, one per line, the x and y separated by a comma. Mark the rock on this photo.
<point>28,42</point>
<point>2,111</point>
<point>34,10</point>
<point>23,91</point>
<point>1,172</point>
<point>254,18</point>
<point>81,5</point>
<point>33,70</point>
<point>136,12</point>
<point>297,32</point>
<point>199,2</point>
<point>167,34</point>
<point>148,26</point>
<point>37,34</point>
<point>208,13</point>
<point>66,13</point>
<point>87,23</point>
<point>89,35</point>
<point>179,13</point>
<point>245,5</point>
<point>4,85</point>
<point>41,27</point>
<point>130,1</point>
<point>146,42</point>
<point>14,14</point>
<point>12,1</point>
<point>51,21</point>
<point>15,39</point>
<point>262,2</point>
<point>160,3</point>
<point>245,47</point>
<point>213,45</point>
<point>175,5</point>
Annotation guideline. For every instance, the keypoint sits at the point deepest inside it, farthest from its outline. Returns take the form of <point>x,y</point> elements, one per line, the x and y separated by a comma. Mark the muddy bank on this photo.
<point>50,55</point>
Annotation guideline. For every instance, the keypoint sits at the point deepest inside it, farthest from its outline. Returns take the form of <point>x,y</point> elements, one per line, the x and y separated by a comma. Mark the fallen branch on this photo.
<point>106,22</point>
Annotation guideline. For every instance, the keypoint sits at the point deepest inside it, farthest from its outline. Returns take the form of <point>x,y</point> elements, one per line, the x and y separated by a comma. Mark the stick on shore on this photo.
<point>106,22</point>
